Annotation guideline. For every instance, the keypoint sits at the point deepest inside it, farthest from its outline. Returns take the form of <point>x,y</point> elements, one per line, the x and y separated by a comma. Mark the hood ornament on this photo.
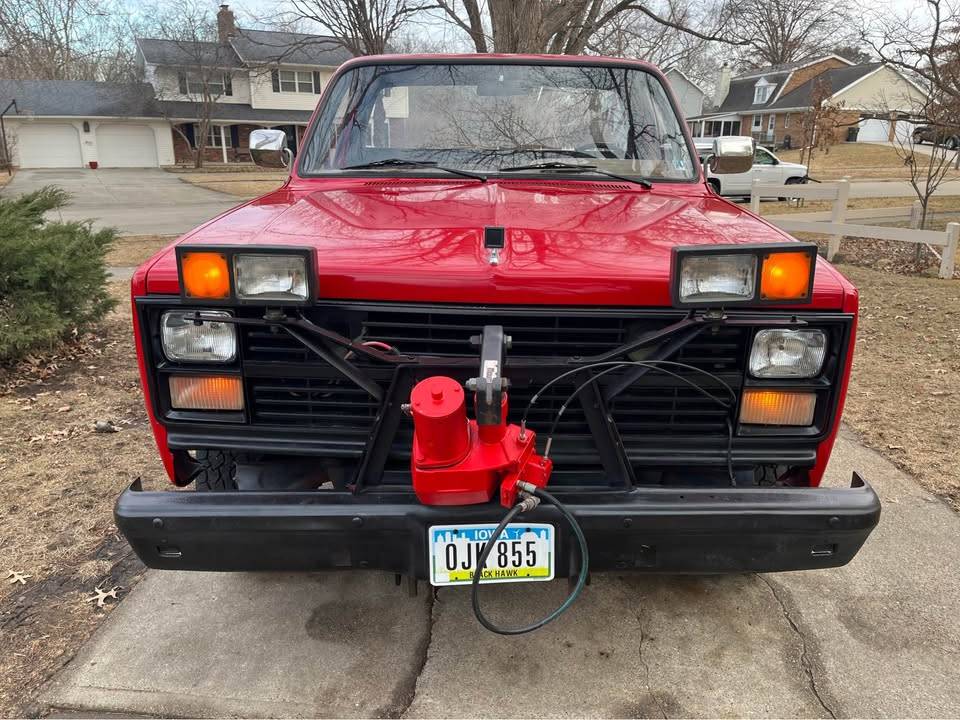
<point>493,240</point>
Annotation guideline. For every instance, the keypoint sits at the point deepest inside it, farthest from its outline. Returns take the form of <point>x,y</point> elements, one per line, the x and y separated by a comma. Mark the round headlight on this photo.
<point>185,340</point>
<point>787,353</point>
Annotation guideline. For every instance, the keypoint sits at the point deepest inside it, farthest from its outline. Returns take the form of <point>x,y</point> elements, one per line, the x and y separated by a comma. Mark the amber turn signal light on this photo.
<point>206,392</point>
<point>205,275</point>
<point>777,407</point>
<point>786,275</point>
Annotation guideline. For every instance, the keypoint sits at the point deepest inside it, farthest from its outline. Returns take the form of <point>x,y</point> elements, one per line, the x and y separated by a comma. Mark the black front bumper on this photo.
<point>653,529</point>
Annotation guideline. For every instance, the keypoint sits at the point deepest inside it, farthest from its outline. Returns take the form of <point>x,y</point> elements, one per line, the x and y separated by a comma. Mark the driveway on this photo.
<point>136,202</point>
<point>879,637</point>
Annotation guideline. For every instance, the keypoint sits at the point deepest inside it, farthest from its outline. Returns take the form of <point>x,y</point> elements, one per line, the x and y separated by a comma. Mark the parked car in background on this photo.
<point>767,168</point>
<point>937,135</point>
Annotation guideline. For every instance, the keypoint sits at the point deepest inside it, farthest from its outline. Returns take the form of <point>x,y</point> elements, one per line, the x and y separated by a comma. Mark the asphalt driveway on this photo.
<point>136,202</point>
<point>878,637</point>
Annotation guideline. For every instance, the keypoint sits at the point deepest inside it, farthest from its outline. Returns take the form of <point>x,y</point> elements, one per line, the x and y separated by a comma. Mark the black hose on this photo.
<point>488,548</point>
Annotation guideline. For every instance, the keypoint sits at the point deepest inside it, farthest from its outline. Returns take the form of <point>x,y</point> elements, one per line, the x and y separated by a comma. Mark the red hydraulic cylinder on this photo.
<point>441,432</point>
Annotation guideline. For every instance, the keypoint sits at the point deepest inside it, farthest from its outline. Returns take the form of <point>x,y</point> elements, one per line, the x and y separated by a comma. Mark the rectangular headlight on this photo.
<point>787,353</point>
<point>185,340</point>
<point>717,278</point>
<point>273,276</point>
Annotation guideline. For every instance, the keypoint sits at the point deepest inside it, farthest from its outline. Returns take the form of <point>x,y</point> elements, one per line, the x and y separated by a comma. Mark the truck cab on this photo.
<point>521,280</point>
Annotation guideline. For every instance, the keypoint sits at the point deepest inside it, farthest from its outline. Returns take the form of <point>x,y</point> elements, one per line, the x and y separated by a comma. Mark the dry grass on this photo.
<point>132,250</point>
<point>904,397</point>
<point>58,482</point>
<point>242,184</point>
<point>860,161</point>
<point>4,178</point>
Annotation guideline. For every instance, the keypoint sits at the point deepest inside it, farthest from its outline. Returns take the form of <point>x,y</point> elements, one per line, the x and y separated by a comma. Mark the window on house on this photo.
<point>772,122</point>
<point>296,81</point>
<point>214,138</point>
<point>761,91</point>
<point>216,85</point>
<point>757,122</point>
<point>786,121</point>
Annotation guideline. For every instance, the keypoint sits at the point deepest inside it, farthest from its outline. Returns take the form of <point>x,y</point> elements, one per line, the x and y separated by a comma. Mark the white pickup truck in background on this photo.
<point>767,168</point>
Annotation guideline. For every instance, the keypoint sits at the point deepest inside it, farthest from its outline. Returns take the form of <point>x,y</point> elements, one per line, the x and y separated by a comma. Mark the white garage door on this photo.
<point>49,146</point>
<point>122,145</point>
<point>874,130</point>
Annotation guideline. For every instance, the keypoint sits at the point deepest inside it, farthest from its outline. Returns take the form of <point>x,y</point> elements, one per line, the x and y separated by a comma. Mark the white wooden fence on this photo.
<point>837,227</point>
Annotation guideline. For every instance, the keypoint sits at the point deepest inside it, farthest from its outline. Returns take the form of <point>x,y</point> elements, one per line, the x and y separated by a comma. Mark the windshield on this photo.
<point>490,118</point>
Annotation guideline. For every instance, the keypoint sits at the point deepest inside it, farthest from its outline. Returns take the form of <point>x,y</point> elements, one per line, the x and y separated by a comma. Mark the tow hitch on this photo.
<point>456,461</point>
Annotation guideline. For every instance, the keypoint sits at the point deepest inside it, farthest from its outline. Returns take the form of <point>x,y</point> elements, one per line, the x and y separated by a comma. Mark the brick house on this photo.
<point>769,103</point>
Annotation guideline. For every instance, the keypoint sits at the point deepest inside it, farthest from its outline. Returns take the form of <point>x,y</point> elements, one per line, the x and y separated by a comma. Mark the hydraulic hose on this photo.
<point>488,548</point>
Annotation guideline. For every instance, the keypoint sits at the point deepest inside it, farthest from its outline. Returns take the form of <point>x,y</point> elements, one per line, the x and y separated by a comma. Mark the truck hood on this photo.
<point>567,243</point>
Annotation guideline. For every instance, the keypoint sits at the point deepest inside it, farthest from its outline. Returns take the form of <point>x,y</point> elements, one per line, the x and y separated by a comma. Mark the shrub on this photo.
<point>53,275</point>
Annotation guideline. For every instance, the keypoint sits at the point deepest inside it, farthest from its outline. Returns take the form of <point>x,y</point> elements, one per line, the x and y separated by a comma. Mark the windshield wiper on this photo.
<point>404,162</point>
<point>573,167</point>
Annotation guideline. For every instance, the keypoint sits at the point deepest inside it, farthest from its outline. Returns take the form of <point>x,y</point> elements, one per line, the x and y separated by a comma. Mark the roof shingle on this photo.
<point>80,98</point>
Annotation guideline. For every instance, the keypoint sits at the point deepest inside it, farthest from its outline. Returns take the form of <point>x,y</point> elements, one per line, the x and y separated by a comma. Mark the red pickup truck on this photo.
<point>491,281</point>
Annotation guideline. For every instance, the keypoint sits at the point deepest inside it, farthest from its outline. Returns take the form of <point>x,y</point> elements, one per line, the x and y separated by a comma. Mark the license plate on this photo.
<point>523,553</point>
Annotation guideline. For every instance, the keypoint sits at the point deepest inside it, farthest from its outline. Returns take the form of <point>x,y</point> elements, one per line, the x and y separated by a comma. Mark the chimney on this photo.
<point>226,24</point>
<point>723,85</point>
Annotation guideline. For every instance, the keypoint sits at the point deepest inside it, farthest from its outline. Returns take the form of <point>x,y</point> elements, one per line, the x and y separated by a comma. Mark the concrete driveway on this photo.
<point>136,202</point>
<point>879,637</point>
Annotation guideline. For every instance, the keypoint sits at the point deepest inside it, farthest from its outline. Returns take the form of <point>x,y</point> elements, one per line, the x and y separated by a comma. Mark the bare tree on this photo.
<point>928,170</point>
<point>820,123</point>
<point>201,66</point>
<point>364,27</point>
<point>922,40</point>
<point>778,32</point>
<point>568,26</point>
<point>64,40</point>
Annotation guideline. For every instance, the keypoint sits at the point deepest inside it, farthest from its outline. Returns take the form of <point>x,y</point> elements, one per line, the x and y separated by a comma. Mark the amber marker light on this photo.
<point>205,275</point>
<point>206,392</point>
<point>777,407</point>
<point>786,275</point>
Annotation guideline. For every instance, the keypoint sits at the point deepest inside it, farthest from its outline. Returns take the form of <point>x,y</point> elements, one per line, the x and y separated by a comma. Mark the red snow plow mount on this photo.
<point>456,461</point>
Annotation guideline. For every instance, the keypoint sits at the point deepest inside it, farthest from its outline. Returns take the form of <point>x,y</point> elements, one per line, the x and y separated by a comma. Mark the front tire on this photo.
<point>216,472</point>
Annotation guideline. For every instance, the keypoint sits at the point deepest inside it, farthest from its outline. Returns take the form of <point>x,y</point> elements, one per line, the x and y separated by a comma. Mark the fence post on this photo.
<point>754,197</point>
<point>838,216</point>
<point>949,257</point>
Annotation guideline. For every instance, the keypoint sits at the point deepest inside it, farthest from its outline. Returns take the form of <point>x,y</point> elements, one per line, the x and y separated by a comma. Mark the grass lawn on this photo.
<point>132,250</point>
<point>246,183</point>
<point>859,161</point>
<point>58,482</point>
<point>904,397</point>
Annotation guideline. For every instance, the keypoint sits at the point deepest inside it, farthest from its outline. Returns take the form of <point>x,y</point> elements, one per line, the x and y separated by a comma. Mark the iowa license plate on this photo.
<point>523,553</point>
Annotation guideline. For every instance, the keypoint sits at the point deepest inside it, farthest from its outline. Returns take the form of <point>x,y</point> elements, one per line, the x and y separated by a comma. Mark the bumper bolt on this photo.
<point>157,523</point>
<point>627,522</point>
<point>834,522</point>
<point>357,521</point>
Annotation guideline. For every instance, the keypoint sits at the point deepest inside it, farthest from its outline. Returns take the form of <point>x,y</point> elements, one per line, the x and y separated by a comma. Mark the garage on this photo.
<point>874,130</point>
<point>49,145</point>
<point>126,145</point>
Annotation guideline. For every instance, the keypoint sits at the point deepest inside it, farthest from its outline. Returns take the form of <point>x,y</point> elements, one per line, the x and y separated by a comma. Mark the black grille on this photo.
<point>656,406</point>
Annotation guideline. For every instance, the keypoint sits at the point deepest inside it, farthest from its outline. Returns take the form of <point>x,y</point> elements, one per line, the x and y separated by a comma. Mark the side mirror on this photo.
<point>268,148</point>
<point>731,155</point>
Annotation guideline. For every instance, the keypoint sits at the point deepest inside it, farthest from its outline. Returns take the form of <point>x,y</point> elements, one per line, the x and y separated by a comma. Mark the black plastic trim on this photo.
<point>651,529</point>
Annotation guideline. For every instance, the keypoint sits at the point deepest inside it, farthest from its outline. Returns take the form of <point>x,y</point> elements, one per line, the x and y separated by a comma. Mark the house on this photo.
<point>252,79</point>
<point>769,103</point>
<point>76,123</point>
<point>690,96</point>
